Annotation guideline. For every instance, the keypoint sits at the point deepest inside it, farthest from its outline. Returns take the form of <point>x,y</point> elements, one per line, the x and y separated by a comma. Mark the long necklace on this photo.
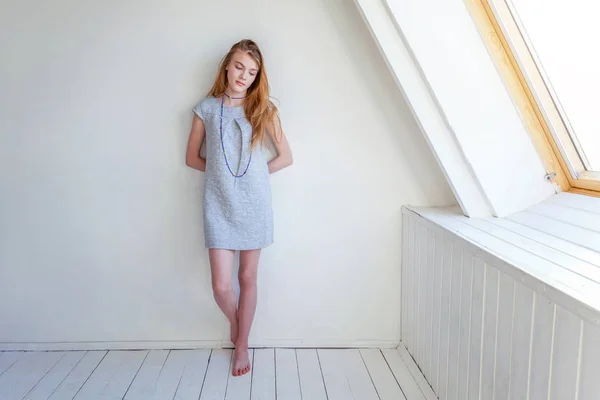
<point>223,144</point>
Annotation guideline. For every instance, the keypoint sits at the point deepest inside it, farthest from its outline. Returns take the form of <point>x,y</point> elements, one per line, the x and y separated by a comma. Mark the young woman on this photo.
<point>235,120</point>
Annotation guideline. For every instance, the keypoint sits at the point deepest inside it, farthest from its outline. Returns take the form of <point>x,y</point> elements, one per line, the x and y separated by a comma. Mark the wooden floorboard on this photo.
<point>287,381</point>
<point>18,380</point>
<point>263,375</point>
<point>217,375</point>
<point>51,381</point>
<point>69,387</point>
<point>309,374</point>
<point>192,377</point>
<point>409,386</point>
<point>311,377</point>
<point>113,376</point>
<point>382,376</point>
<point>332,365</point>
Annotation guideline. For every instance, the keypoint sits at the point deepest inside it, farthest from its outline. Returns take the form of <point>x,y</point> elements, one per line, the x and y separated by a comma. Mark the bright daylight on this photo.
<point>563,35</point>
<point>299,200</point>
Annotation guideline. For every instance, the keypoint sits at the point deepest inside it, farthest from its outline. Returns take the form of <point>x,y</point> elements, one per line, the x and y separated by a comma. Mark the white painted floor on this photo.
<point>284,374</point>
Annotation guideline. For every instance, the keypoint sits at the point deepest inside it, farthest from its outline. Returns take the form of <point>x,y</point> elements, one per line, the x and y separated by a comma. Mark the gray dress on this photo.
<point>237,211</point>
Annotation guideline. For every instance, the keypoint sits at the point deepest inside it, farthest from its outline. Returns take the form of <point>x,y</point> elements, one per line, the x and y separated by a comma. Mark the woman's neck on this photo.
<point>234,99</point>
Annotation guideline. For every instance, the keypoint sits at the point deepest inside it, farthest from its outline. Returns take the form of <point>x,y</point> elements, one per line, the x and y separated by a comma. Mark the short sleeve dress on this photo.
<point>237,211</point>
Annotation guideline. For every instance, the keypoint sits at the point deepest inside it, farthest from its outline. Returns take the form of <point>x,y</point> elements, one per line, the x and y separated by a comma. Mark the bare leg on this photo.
<point>221,267</point>
<point>248,293</point>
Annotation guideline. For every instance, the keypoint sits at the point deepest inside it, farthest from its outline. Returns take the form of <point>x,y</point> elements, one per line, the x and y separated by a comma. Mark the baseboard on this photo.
<point>193,344</point>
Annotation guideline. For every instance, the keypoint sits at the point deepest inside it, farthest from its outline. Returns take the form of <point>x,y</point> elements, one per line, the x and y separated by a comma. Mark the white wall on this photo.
<point>478,136</point>
<point>481,328</point>
<point>100,220</point>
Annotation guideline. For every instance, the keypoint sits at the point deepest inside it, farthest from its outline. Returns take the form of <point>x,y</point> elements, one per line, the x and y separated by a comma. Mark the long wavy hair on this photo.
<point>258,107</point>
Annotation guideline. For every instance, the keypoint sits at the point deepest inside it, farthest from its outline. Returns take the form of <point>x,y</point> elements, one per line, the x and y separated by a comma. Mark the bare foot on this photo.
<point>241,362</point>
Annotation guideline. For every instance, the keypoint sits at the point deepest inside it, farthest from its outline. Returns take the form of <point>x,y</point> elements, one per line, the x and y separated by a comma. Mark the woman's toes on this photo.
<point>241,362</point>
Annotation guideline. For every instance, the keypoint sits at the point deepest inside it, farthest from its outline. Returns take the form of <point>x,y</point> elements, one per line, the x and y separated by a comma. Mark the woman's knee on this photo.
<point>247,279</point>
<point>221,288</point>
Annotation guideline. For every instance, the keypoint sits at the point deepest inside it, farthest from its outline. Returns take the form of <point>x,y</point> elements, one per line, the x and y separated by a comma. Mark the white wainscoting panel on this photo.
<point>480,327</point>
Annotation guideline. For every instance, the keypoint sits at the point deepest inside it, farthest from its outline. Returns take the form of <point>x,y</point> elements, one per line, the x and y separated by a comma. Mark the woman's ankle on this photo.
<point>241,345</point>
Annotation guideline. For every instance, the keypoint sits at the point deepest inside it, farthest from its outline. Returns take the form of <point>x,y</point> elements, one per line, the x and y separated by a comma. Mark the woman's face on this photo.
<point>241,72</point>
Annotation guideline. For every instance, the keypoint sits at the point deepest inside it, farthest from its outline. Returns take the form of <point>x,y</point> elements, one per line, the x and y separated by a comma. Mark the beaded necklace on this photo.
<point>223,144</point>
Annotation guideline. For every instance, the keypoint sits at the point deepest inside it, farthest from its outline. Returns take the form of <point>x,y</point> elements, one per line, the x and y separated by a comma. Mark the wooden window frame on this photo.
<point>526,86</point>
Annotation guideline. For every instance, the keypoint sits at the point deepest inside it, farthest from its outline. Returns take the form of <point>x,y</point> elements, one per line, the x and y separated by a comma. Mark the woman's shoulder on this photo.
<point>209,102</point>
<point>206,105</point>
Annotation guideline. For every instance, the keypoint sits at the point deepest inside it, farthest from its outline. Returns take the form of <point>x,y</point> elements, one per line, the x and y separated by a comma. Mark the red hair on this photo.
<point>258,107</point>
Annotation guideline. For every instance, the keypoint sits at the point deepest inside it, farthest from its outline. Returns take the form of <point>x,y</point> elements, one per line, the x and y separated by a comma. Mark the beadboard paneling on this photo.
<point>477,330</point>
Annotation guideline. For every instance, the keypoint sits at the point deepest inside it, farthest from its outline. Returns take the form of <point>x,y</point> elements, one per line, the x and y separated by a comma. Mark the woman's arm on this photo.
<point>284,152</point>
<point>192,155</point>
